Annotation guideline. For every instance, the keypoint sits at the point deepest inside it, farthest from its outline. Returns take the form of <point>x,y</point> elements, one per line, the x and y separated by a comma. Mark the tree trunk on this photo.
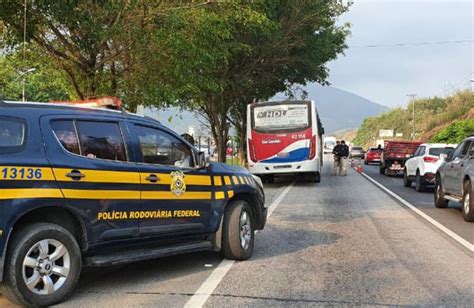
<point>243,143</point>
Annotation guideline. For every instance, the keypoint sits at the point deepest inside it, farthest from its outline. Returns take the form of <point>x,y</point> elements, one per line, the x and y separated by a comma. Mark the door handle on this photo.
<point>153,178</point>
<point>76,175</point>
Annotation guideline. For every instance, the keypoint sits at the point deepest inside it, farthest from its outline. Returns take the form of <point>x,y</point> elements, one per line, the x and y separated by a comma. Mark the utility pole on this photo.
<point>412,96</point>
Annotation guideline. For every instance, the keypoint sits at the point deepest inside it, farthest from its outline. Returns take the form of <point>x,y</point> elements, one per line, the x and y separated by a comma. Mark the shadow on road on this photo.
<point>281,241</point>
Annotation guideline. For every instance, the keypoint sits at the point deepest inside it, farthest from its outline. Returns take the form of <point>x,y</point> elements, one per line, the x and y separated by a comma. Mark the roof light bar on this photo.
<point>108,102</point>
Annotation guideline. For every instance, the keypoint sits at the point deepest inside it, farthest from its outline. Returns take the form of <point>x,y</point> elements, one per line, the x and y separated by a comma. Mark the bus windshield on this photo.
<point>281,117</point>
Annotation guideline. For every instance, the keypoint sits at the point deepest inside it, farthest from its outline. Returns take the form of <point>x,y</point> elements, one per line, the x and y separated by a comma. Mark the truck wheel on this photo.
<point>406,181</point>
<point>439,200</point>
<point>42,265</point>
<point>419,185</point>
<point>238,231</point>
<point>468,203</point>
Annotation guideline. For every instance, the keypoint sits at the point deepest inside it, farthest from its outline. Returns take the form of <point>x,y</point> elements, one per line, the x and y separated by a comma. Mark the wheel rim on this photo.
<point>438,191</point>
<point>245,230</point>
<point>467,203</point>
<point>46,267</point>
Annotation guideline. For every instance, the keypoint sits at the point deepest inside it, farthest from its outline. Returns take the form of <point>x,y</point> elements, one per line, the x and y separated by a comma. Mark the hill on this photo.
<point>433,116</point>
<point>340,110</point>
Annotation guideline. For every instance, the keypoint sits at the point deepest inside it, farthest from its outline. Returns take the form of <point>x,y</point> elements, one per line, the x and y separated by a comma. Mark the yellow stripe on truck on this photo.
<point>99,176</point>
<point>167,195</point>
<point>165,179</point>
<point>220,195</point>
<point>101,194</point>
<point>217,181</point>
<point>30,193</point>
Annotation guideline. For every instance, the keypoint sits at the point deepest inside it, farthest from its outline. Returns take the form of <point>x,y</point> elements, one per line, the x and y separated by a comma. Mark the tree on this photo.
<point>100,45</point>
<point>305,37</point>
<point>44,84</point>
<point>237,53</point>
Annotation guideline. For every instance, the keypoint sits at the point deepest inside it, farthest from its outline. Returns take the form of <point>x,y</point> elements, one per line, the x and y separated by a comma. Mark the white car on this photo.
<point>422,167</point>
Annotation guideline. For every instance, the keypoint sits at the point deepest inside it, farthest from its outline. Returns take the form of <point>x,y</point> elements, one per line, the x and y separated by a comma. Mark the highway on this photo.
<point>450,217</point>
<point>343,241</point>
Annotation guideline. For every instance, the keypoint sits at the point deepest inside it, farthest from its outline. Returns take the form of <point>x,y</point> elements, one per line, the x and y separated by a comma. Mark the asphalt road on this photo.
<point>340,242</point>
<point>450,217</point>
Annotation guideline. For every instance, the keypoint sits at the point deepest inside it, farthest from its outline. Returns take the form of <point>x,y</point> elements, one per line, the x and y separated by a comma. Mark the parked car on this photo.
<point>88,186</point>
<point>356,152</point>
<point>373,156</point>
<point>455,179</point>
<point>422,167</point>
<point>395,154</point>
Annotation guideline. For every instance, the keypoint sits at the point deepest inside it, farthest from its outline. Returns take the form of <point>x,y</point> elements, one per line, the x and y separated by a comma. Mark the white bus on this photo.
<point>284,137</point>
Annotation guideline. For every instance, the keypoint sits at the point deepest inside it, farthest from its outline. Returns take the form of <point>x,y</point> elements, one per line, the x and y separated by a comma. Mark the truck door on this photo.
<point>176,197</point>
<point>95,172</point>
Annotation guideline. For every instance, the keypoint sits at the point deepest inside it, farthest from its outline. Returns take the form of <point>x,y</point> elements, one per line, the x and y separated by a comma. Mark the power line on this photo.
<point>412,44</point>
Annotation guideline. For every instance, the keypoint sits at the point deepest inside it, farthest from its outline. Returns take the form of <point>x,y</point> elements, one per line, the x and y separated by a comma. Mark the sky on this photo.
<point>386,74</point>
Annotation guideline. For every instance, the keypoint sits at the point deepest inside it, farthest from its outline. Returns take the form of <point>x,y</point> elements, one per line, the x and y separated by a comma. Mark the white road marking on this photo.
<point>202,294</point>
<point>439,226</point>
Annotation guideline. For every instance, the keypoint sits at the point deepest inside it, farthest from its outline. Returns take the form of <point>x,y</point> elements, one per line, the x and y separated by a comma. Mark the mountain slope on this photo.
<point>338,109</point>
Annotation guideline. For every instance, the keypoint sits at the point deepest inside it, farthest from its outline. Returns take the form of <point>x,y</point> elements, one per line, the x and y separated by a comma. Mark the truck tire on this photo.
<point>439,200</point>
<point>42,265</point>
<point>419,184</point>
<point>406,180</point>
<point>468,202</point>
<point>238,231</point>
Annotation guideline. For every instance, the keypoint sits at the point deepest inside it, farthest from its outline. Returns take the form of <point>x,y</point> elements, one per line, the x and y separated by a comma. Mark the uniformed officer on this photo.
<point>343,154</point>
<point>335,151</point>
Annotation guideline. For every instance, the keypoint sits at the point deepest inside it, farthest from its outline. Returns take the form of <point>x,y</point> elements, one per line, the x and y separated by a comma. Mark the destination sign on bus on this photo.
<point>281,116</point>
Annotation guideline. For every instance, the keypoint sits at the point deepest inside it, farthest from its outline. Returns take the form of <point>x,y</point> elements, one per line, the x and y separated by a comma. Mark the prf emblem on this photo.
<point>178,185</point>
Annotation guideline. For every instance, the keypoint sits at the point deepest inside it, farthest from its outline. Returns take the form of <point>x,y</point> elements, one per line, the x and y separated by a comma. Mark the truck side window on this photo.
<point>159,147</point>
<point>12,134</point>
<point>101,140</point>
<point>66,134</point>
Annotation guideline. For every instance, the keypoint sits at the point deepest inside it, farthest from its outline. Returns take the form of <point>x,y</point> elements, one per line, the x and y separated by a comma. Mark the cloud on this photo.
<point>386,74</point>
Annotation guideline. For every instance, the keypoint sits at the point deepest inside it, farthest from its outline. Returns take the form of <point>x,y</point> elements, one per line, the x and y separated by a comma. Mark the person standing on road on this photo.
<point>335,151</point>
<point>343,155</point>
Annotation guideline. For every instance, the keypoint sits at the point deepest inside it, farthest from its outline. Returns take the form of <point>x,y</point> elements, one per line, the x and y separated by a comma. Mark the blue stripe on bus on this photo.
<point>294,156</point>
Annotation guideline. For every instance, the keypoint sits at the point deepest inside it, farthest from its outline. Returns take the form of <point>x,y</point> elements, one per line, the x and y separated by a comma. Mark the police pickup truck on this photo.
<point>82,186</point>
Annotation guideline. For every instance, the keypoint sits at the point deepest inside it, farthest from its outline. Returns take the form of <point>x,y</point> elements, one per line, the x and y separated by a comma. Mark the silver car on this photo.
<point>455,179</point>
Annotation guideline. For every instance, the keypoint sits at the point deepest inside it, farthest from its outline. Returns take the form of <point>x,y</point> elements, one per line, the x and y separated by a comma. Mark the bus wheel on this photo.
<point>316,177</point>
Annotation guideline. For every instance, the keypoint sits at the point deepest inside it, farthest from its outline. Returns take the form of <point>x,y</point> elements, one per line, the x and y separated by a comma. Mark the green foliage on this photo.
<point>46,83</point>
<point>455,132</point>
<point>210,56</point>
<point>430,113</point>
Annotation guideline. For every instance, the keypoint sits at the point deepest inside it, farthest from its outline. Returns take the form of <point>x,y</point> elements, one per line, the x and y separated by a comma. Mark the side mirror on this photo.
<point>443,156</point>
<point>322,131</point>
<point>202,160</point>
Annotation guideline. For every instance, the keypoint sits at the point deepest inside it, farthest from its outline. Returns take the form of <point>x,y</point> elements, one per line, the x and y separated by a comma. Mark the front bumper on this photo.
<point>286,168</point>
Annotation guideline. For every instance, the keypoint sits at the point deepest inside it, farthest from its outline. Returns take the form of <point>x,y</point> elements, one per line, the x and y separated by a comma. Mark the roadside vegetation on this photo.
<point>213,57</point>
<point>446,120</point>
